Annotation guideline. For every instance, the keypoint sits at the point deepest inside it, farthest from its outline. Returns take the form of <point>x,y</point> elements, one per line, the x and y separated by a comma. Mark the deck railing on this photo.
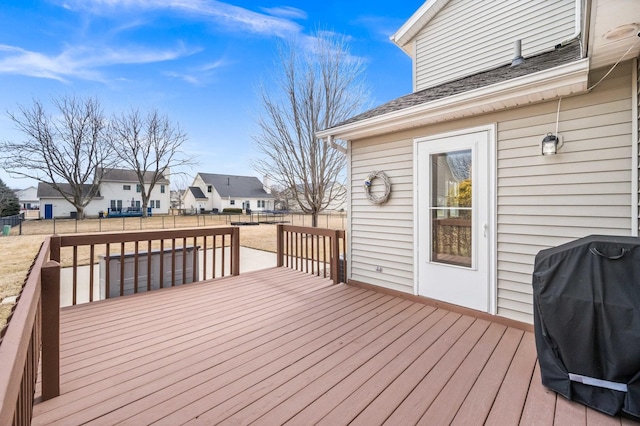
<point>21,343</point>
<point>317,251</point>
<point>147,257</point>
<point>33,330</point>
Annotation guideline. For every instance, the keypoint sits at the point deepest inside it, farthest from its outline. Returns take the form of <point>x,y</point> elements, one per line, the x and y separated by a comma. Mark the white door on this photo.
<point>453,219</point>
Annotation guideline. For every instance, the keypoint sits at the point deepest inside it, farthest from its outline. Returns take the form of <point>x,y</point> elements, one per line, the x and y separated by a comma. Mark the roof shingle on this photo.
<point>561,55</point>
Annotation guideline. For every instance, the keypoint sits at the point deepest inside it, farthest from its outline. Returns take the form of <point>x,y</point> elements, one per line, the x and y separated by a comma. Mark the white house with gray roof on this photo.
<point>119,189</point>
<point>481,103</point>
<point>215,192</point>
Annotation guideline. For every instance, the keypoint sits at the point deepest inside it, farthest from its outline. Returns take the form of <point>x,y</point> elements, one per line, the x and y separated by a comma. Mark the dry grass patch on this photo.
<point>16,256</point>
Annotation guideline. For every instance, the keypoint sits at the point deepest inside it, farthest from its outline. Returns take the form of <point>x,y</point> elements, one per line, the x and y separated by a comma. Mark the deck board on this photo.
<point>279,346</point>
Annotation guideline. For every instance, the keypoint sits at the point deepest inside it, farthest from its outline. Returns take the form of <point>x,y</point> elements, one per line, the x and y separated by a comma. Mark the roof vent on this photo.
<point>517,59</point>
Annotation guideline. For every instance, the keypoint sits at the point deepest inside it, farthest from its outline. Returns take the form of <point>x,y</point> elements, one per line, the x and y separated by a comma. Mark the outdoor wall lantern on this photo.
<point>550,144</point>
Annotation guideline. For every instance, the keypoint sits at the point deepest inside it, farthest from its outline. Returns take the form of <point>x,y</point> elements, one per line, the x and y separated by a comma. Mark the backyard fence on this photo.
<point>90,225</point>
<point>8,222</point>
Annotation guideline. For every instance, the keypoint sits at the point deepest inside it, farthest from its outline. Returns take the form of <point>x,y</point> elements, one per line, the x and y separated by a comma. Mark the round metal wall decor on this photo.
<point>368,182</point>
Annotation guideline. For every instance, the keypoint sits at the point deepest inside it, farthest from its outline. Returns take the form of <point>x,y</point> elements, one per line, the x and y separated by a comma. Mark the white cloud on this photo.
<point>234,18</point>
<point>198,75</point>
<point>80,62</point>
<point>286,12</point>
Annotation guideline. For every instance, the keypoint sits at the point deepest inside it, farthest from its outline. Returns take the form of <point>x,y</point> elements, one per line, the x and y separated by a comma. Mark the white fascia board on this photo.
<point>415,23</point>
<point>545,85</point>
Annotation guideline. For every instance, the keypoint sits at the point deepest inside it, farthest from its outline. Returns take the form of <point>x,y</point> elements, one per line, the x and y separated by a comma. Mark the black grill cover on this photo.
<point>587,322</point>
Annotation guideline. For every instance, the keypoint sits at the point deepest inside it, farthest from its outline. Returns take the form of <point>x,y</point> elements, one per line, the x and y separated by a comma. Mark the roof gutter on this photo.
<point>564,80</point>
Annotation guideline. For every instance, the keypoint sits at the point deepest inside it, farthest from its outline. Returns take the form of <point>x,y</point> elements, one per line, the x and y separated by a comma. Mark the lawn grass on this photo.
<point>18,251</point>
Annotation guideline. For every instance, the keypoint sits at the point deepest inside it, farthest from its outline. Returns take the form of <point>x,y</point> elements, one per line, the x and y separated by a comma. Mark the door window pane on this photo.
<point>451,208</point>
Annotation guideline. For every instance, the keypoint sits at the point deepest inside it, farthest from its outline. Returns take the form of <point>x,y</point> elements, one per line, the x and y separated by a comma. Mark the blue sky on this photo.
<point>198,61</point>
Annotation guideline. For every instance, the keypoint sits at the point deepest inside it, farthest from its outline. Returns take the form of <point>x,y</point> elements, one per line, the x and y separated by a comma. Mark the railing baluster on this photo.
<point>91,263</point>
<point>324,256</point>
<point>122,269</point>
<point>74,291</point>
<point>162,263</point>
<point>107,272</point>
<point>213,267</point>
<point>184,260</point>
<point>135,267</point>
<point>222,264</point>
<point>306,252</point>
<point>173,262</point>
<point>149,257</point>
<point>194,260</point>
<point>204,258</point>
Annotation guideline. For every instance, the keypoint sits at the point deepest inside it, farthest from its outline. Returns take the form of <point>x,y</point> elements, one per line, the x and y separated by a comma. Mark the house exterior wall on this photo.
<point>215,201</point>
<point>108,191</point>
<point>494,25</point>
<point>115,191</point>
<point>541,201</point>
<point>28,197</point>
<point>636,113</point>
<point>63,209</point>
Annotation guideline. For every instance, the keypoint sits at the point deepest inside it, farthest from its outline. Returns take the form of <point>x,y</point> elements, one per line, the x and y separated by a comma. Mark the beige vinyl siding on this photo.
<point>547,201</point>
<point>382,236</point>
<point>541,201</point>
<point>470,36</point>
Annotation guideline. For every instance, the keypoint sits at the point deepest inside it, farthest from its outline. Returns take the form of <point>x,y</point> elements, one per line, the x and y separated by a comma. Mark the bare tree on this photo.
<point>320,84</point>
<point>148,144</point>
<point>66,150</point>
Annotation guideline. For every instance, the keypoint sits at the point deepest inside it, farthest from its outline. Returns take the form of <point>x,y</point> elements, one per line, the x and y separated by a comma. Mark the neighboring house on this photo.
<point>472,198</point>
<point>119,189</point>
<point>54,204</point>
<point>28,198</point>
<point>211,192</point>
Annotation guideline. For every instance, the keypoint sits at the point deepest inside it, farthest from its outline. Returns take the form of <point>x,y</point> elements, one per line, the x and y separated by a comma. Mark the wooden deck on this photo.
<point>278,346</point>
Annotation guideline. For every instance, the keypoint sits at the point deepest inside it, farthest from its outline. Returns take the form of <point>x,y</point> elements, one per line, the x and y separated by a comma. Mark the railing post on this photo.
<point>51,328</point>
<point>335,257</point>
<point>54,253</point>
<point>280,245</point>
<point>235,246</point>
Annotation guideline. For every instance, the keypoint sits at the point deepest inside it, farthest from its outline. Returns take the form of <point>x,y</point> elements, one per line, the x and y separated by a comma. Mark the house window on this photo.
<point>138,188</point>
<point>126,187</point>
<point>152,203</point>
<point>157,204</point>
<point>162,189</point>
<point>113,204</point>
<point>209,188</point>
<point>261,204</point>
<point>232,202</point>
